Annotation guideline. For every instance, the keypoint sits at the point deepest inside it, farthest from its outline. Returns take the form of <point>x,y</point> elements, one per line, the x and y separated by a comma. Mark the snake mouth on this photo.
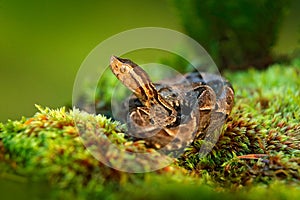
<point>114,60</point>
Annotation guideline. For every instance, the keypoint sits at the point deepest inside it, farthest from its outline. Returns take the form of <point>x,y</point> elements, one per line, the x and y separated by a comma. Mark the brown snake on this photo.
<point>172,115</point>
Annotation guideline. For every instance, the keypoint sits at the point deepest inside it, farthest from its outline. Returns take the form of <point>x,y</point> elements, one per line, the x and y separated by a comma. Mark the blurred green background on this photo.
<point>43,43</point>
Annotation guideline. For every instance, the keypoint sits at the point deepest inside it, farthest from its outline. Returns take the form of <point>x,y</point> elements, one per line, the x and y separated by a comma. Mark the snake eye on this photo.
<point>123,68</point>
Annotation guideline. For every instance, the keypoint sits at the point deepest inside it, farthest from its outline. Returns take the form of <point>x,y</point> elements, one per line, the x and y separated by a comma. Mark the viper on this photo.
<point>172,114</point>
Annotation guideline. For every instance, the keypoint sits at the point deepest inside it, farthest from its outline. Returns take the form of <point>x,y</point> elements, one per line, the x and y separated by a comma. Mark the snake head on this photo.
<point>121,65</point>
<point>131,75</point>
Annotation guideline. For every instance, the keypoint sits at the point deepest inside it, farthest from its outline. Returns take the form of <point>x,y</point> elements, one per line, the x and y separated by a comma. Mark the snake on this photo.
<point>173,113</point>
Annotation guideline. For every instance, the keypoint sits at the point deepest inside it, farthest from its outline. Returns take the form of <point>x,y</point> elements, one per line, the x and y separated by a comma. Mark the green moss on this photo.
<point>265,120</point>
<point>46,150</point>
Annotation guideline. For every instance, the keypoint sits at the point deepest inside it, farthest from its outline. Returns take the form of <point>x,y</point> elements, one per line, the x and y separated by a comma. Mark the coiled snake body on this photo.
<point>173,114</point>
